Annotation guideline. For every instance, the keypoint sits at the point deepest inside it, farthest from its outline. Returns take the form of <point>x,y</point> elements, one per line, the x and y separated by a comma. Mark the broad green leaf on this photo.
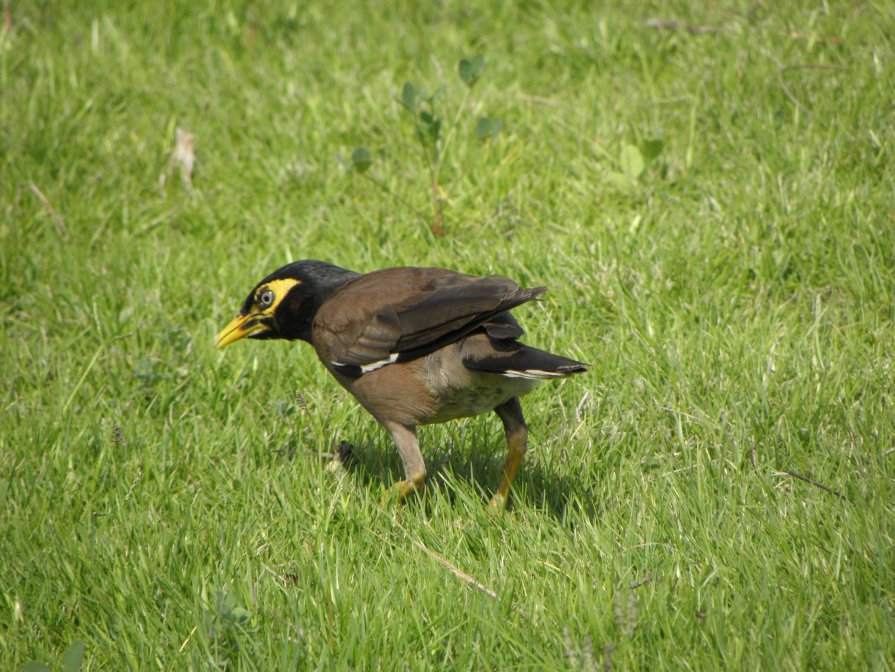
<point>361,159</point>
<point>631,161</point>
<point>620,181</point>
<point>486,128</point>
<point>410,96</point>
<point>651,148</point>
<point>431,124</point>
<point>470,69</point>
<point>34,666</point>
<point>74,654</point>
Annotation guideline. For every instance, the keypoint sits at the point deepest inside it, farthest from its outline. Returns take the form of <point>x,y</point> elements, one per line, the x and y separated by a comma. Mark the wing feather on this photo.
<point>412,311</point>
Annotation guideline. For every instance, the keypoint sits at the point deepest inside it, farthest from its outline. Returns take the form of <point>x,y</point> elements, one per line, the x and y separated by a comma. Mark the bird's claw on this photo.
<point>498,503</point>
<point>397,493</point>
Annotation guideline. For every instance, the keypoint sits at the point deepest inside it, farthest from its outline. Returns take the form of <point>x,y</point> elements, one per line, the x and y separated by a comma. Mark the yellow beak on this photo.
<point>240,327</point>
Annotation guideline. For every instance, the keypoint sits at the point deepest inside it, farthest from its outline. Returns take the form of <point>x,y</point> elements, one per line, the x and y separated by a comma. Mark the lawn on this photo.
<point>707,188</point>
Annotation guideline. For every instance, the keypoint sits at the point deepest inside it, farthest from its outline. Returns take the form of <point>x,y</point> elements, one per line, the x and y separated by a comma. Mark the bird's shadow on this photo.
<point>479,466</point>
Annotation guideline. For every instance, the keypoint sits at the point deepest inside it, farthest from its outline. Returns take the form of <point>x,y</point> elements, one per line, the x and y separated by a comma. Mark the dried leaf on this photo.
<point>184,156</point>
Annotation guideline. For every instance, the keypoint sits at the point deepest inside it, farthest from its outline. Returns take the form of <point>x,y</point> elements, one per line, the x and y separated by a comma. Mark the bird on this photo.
<point>414,346</point>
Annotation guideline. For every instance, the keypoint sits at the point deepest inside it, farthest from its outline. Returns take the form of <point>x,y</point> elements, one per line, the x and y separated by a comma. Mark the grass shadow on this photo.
<point>376,464</point>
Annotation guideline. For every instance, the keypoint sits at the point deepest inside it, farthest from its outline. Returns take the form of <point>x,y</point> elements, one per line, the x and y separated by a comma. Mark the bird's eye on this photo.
<point>265,298</point>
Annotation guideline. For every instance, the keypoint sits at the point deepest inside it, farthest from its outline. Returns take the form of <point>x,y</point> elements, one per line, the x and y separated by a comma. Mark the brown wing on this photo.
<point>401,313</point>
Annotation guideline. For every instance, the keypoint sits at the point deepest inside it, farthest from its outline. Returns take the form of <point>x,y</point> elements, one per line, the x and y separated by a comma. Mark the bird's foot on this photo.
<point>399,492</point>
<point>498,503</point>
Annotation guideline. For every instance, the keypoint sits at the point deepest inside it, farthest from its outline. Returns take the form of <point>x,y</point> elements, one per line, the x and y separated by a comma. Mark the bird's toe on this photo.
<point>498,503</point>
<point>398,492</point>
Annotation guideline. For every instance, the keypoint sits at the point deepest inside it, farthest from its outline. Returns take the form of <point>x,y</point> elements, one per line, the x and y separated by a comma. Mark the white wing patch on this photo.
<point>366,368</point>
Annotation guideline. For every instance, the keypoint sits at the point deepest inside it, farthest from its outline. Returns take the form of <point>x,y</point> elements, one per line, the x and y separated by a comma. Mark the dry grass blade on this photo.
<point>787,472</point>
<point>183,646</point>
<point>456,571</point>
<point>183,158</point>
<point>57,218</point>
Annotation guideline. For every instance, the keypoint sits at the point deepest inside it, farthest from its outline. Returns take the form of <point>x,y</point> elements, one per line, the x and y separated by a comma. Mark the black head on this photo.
<point>283,304</point>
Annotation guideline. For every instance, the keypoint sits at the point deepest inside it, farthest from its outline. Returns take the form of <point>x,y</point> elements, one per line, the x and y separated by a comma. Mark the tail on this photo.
<point>522,361</point>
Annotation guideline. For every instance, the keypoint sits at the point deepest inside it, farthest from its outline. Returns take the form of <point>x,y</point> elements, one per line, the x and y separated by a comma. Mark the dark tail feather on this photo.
<point>522,361</point>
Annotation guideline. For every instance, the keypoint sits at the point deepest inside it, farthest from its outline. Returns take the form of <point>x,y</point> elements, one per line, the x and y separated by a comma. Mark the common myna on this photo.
<point>414,346</point>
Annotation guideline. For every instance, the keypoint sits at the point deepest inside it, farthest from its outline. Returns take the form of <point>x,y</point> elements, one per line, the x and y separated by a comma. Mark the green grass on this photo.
<point>176,507</point>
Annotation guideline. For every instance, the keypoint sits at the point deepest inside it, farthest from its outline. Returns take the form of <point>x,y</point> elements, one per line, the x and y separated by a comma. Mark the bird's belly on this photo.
<point>435,388</point>
<point>474,401</point>
<point>461,393</point>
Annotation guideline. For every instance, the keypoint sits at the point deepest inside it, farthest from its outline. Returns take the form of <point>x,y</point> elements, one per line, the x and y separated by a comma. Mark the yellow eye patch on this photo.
<point>280,289</point>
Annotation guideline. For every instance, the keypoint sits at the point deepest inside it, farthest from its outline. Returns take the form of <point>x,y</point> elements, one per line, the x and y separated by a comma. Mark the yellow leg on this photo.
<point>517,443</point>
